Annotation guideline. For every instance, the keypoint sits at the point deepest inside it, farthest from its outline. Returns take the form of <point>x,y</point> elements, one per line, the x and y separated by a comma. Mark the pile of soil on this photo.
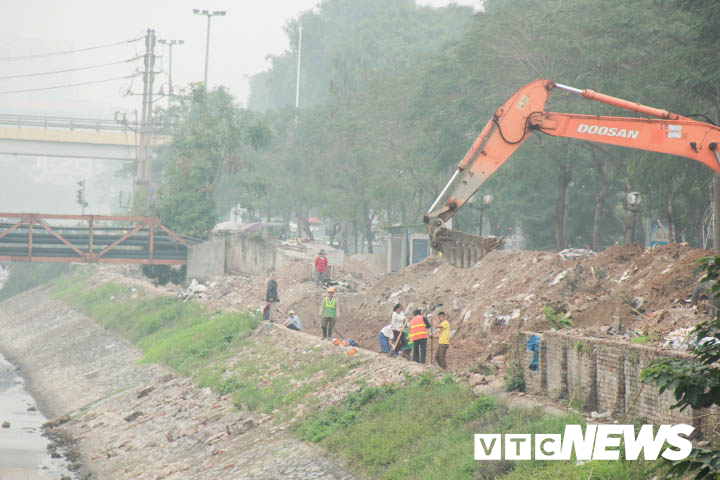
<point>624,291</point>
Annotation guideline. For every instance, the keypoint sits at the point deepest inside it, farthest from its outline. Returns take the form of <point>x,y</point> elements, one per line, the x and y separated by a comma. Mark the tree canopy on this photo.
<point>393,94</point>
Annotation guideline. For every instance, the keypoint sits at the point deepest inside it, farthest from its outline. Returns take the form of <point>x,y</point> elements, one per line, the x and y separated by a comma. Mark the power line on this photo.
<point>7,77</point>
<point>65,52</point>
<point>68,85</point>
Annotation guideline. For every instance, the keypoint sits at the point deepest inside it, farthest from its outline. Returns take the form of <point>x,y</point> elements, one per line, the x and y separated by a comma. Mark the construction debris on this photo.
<point>575,253</point>
<point>195,290</point>
<point>623,292</point>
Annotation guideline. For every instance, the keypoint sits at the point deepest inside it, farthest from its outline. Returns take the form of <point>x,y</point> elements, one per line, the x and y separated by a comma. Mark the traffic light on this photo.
<point>80,194</point>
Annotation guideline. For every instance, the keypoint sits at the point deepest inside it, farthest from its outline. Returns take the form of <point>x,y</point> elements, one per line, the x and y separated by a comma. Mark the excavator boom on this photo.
<point>514,122</point>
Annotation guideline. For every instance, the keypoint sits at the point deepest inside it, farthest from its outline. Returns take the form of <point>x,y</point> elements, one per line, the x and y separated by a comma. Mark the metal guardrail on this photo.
<point>65,122</point>
<point>71,123</point>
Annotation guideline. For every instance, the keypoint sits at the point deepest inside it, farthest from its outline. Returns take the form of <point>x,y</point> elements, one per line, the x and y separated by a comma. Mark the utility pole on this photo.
<point>144,168</point>
<point>143,176</point>
<point>149,119</point>
<point>209,15</point>
<point>141,144</point>
<point>170,44</point>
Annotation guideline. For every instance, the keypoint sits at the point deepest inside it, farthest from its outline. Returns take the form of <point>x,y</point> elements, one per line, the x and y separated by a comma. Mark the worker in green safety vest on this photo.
<point>328,313</point>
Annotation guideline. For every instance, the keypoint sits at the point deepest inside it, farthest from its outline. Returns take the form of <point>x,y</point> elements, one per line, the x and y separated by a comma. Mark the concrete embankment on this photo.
<point>131,420</point>
<point>24,452</point>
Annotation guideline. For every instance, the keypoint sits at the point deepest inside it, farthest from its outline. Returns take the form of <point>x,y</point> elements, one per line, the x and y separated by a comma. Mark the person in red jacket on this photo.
<point>321,268</point>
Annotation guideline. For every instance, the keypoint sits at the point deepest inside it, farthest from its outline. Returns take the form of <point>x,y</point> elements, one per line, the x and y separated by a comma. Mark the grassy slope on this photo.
<point>421,430</point>
<point>424,430</point>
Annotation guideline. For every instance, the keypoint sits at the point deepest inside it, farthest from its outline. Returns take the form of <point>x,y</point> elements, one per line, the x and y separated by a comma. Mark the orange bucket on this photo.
<point>352,351</point>
<point>336,341</point>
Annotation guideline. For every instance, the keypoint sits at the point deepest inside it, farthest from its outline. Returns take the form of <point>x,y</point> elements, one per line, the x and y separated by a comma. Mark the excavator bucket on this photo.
<point>464,249</point>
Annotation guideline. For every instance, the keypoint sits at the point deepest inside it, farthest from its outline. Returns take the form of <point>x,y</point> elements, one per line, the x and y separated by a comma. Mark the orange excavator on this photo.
<point>525,113</point>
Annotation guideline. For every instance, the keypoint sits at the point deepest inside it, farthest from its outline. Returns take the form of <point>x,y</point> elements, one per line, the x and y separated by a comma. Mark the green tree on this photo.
<point>396,94</point>
<point>209,140</point>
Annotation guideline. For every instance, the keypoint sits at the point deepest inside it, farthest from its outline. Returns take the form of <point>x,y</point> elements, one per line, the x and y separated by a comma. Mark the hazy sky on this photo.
<point>239,45</point>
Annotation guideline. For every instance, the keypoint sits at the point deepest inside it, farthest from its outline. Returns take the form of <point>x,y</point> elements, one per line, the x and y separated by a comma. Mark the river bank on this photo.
<point>131,420</point>
<point>251,400</point>
<point>24,452</point>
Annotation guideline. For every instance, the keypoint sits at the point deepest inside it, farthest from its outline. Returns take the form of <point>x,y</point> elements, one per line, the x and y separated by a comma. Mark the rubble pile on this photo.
<point>624,292</point>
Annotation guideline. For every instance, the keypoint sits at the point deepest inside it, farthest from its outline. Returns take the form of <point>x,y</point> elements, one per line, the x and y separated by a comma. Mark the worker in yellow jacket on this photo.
<point>444,336</point>
<point>328,313</point>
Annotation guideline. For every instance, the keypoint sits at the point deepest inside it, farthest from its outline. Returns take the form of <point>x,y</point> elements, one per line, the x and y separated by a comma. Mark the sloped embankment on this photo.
<point>240,397</point>
<point>135,419</point>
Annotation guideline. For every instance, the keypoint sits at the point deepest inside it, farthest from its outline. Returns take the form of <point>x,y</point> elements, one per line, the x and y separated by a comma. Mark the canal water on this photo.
<point>24,453</point>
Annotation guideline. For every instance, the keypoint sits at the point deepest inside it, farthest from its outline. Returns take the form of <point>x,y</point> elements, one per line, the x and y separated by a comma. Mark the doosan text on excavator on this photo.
<point>524,113</point>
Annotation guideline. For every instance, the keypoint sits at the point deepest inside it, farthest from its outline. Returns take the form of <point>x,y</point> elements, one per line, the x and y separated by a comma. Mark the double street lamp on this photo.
<point>209,15</point>
<point>634,205</point>
<point>170,44</point>
<point>485,202</point>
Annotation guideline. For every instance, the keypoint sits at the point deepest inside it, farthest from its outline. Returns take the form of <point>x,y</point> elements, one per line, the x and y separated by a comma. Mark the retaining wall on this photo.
<point>231,253</point>
<point>206,259</point>
<point>247,254</point>
<point>604,375</point>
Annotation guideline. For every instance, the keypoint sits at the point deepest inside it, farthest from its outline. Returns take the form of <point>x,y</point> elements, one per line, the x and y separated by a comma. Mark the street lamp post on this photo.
<point>486,201</point>
<point>297,82</point>
<point>634,204</point>
<point>209,15</point>
<point>170,44</point>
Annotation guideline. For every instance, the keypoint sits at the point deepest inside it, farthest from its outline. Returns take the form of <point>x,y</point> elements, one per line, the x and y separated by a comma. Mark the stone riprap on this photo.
<point>141,421</point>
<point>144,421</point>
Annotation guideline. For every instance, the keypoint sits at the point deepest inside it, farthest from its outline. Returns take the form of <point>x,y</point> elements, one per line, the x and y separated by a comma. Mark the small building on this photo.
<point>406,245</point>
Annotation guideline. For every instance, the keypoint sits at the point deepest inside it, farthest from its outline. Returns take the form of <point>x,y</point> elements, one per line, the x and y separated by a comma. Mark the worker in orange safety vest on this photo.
<point>419,336</point>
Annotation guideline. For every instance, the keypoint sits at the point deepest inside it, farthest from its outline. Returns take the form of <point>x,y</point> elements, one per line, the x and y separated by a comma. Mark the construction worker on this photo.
<point>271,297</point>
<point>397,321</point>
<point>419,336</point>
<point>293,321</point>
<point>408,347</point>
<point>321,263</point>
<point>328,313</point>
<point>385,337</point>
<point>444,342</point>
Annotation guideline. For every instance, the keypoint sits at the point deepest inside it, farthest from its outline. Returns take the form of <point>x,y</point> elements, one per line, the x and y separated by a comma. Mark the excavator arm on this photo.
<point>524,113</point>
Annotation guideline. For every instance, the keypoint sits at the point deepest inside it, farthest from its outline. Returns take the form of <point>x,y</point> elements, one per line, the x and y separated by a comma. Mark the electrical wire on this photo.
<point>69,85</point>
<point>65,52</point>
<point>7,77</point>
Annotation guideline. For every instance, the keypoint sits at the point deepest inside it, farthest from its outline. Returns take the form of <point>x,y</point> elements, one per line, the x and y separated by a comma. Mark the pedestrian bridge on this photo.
<point>70,137</point>
<point>30,237</point>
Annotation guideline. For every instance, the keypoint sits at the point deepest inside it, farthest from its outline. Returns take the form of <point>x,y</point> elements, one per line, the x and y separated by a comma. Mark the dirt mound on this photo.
<point>643,291</point>
<point>624,291</point>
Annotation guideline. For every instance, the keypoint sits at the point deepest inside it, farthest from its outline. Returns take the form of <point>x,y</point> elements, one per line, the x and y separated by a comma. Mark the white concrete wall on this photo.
<point>206,259</point>
<point>247,254</point>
